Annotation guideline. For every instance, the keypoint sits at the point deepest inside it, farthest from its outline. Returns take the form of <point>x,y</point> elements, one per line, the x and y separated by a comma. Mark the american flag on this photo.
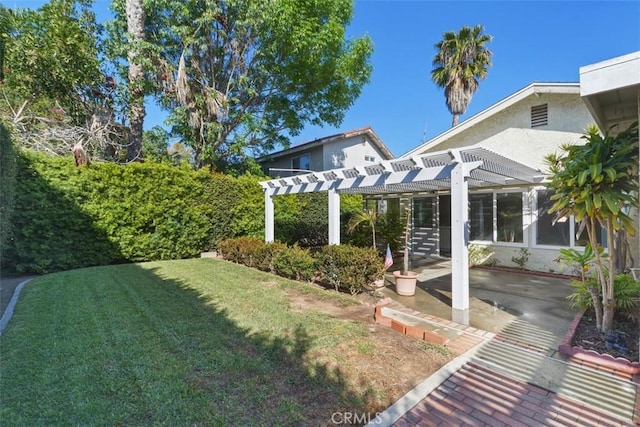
<point>388,259</point>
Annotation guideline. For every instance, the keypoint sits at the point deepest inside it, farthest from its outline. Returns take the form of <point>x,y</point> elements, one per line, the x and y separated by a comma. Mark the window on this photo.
<point>303,162</point>
<point>509,217</point>
<point>368,158</point>
<point>423,212</point>
<point>383,206</point>
<point>548,233</point>
<point>481,216</point>
<point>582,238</point>
<point>539,115</point>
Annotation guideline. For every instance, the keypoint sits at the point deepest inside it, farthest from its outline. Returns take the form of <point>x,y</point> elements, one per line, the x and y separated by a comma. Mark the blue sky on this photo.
<point>543,41</point>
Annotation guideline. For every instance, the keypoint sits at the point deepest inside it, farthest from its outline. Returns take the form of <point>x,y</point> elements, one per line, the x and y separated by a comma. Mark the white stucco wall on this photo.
<point>539,259</point>
<point>530,146</point>
<point>349,152</point>
<point>566,113</point>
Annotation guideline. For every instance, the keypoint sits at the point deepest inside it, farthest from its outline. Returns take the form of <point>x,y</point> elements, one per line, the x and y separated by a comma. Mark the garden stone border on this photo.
<point>589,358</point>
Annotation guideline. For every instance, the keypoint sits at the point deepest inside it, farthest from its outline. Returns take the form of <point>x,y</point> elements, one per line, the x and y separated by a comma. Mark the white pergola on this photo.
<point>455,169</point>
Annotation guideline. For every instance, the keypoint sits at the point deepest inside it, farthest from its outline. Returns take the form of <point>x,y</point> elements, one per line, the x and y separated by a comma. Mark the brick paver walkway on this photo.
<point>478,396</point>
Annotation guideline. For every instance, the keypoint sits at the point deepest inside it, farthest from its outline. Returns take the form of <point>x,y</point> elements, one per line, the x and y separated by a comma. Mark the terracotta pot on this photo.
<point>406,283</point>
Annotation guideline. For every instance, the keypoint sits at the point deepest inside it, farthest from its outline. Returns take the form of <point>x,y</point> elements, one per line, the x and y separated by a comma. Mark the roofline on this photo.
<point>629,57</point>
<point>531,89</point>
<point>367,130</point>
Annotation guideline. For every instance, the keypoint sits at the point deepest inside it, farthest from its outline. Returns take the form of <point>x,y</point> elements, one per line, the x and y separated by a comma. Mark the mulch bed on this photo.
<point>627,332</point>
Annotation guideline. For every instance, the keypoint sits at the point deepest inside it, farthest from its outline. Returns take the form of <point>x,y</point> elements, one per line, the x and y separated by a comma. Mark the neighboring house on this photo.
<point>359,147</point>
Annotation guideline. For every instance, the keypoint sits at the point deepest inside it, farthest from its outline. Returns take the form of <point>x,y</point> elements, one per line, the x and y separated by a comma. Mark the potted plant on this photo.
<point>406,279</point>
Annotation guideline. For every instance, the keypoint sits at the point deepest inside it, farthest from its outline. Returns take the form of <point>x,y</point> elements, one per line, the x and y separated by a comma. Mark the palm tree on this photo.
<point>462,59</point>
<point>368,217</point>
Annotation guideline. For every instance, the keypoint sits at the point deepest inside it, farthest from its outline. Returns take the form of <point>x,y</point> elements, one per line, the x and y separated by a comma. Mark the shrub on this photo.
<point>264,255</point>
<point>349,268</point>
<point>7,184</point>
<point>479,255</point>
<point>294,263</point>
<point>241,250</point>
<point>625,290</point>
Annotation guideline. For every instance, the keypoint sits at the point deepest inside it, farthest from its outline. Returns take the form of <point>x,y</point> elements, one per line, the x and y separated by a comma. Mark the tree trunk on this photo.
<point>608,294</point>
<point>456,120</point>
<point>373,235</point>
<point>597,306</point>
<point>601,280</point>
<point>135,28</point>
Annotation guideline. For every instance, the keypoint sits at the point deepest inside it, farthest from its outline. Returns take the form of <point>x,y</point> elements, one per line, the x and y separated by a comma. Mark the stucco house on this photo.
<point>482,182</point>
<point>356,147</point>
<point>524,127</point>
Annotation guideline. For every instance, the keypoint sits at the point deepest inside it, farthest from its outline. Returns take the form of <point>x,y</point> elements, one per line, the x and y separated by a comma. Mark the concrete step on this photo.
<point>410,320</point>
<point>593,388</point>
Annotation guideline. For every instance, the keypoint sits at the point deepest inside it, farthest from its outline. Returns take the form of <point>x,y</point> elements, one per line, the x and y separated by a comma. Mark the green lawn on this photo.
<point>190,342</point>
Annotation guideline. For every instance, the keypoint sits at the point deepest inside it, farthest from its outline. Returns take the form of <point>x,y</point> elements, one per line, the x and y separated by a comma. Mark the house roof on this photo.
<point>532,89</point>
<point>609,89</point>
<point>367,130</point>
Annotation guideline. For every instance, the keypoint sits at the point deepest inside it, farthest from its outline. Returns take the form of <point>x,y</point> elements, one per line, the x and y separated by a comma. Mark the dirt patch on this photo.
<point>383,365</point>
<point>623,343</point>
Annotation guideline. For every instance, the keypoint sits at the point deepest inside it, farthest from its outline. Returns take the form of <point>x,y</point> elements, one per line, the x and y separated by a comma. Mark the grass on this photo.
<point>190,342</point>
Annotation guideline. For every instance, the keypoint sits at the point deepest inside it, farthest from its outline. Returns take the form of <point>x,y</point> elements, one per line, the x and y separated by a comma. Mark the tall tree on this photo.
<point>136,36</point>
<point>595,182</point>
<point>55,93</point>
<point>241,75</point>
<point>50,59</point>
<point>461,60</point>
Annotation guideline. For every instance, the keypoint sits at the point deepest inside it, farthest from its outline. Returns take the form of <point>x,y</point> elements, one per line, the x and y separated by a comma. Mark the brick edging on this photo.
<point>458,345</point>
<point>592,359</point>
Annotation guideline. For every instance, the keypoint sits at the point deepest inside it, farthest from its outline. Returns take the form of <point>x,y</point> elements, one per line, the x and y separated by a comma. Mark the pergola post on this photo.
<point>459,244</point>
<point>334,217</point>
<point>269,229</point>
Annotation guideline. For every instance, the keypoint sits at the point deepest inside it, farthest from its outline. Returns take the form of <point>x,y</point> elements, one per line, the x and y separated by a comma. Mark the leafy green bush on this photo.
<point>106,213</point>
<point>53,232</point>
<point>625,290</point>
<point>264,256</point>
<point>295,263</point>
<point>349,268</point>
<point>241,250</point>
<point>7,184</point>
<point>479,255</point>
<point>346,268</point>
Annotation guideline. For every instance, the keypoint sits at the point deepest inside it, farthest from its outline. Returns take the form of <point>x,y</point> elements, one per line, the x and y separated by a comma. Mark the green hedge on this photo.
<point>345,268</point>
<point>105,213</point>
<point>7,185</point>
<point>74,217</point>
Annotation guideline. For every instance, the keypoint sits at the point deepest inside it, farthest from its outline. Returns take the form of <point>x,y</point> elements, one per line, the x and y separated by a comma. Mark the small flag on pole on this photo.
<point>388,259</point>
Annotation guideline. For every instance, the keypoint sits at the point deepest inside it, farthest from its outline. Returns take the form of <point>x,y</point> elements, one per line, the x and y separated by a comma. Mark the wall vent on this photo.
<point>539,115</point>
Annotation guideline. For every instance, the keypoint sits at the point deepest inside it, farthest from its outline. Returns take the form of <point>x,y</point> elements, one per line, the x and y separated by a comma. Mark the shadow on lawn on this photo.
<point>126,345</point>
<point>120,345</point>
<point>257,377</point>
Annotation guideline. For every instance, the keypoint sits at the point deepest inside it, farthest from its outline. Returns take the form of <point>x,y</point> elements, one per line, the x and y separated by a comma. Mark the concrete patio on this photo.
<point>509,371</point>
